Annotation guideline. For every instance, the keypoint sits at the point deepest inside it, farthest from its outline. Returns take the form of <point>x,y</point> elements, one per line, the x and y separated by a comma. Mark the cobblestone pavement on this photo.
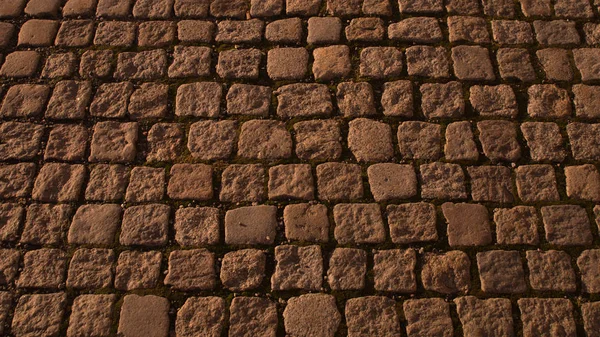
<point>299,168</point>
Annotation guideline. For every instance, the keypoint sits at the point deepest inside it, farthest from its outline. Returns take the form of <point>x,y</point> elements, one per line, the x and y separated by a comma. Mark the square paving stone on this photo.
<point>243,183</point>
<point>556,32</point>
<point>20,141</point>
<point>243,270</point>
<point>12,8</point>
<point>16,180</point>
<point>96,63</point>
<point>428,61</point>
<point>45,224</point>
<point>358,223</point>
<point>551,271</point>
<point>197,226</point>
<point>412,222</point>
<point>536,183</point>
<point>100,307</point>
<point>43,268</point>
<point>372,316</point>
<point>501,272</point>
<point>25,100</point>
<point>149,100</point>
<point>583,139</point>
<point>428,317</point>
<point>144,65</point>
<point>555,63</point>
<point>264,139</point>
<point>201,316</point>
<point>229,8</point>
<point>460,144</point>
<point>247,99</point>
<point>494,101</point>
<point>590,313</point>
<point>43,8</point>
<point>239,63</point>
<point>344,8</point>
<point>190,181</point>
<point>567,225</point>
<point>447,273</point>
<point>583,182</point>
<point>369,140</point>
<point>91,269</point>
<point>156,34</point>
<point>517,225</point>
<point>306,222</point>
<point>587,61</point>
<point>380,62</point>
<point>114,8</point>
<point>145,225</point>
<point>303,99</point>
<point>417,7</point>
<point>165,142</point>
<point>189,61</point>
<point>66,142</point>
<point>114,142</point>
<point>83,8</point>
<point>586,105</point>
<point>251,225</point>
<point>323,30</point>
<point>69,100</point>
<point>365,30</point>
<point>9,266</point>
<point>573,9</point>
<point>468,224</point>
<point>468,29</point>
<point>191,9</point>
<point>153,9</point>
<point>293,181</point>
<point>210,140</point>
<point>107,182</point>
<point>285,31</point>
<point>287,63</point>
<point>331,63</point>
<point>397,98</point>
<point>144,316</point>
<point>11,218</point>
<point>311,315</point>
<point>442,100</point>
<point>39,315</point>
<point>472,63</point>
<point>499,140</point>
<point>60,65</point>
<point>442,181</point>
<point>355,99</point>
<point>339,181</point>
<point>200,99</point>
<point>347,269</point>
<point>266,8</point>
<point>491,183</point>
<point>536,7</point>
<point>191,270</point>
<point>417,30</point>
<point>75,33</point>
<point>548,101</point>
<point>377,7</point>
<point>590,276</point>
<point>492,317</point>
<point>115,34</point>
<point>240,32</point>
<point>318,140</point>
<point>195,31</point>
<point>394,270</point>
<point>95,224</point>
<point>20,64</point>
<point>59,183</point>
<point>297,268</point>
<point>419,140</point>
<point>302,7</point>
<point>499,8</point>
<point>544,140</point>
<point>37,33</point>
<point>389,181</point>
<point>110,100</point>
<point>512,32</point>
<point>540,315</point>
<point>146,184</point>
<point>253,316</point>
<point>515,64</point>
<point>137,270</point>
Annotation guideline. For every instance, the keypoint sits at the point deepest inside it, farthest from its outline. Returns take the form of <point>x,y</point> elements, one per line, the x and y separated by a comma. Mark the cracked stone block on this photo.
<point>210,140</point>
<point>43,268</point>
<point>100,307</point>
<point>468,29</point>
<point>11,217</point>
<point>517,225</point>
<point>323,30</point>
<point>303,99</point>
<point>107,182</point>
<point>512,32</point>
<point>190,181</point>
<point>75,33</point>
<point>380,62</point>
<point>318,140</point>
<point>251,225</point>
<point>472,63</point>
<point>197,226</point>
<point>361,313</point>
<point>137,270</point>
<point>191,270</point>
<point>365,30</point>
<point>442,100</point>
<point>59,65</point>
<point>91,269</point>
<point>548,101</point>
<point>16,180</point>
<point>9,266</point>
<point>239,63</point>
<point>419,140</point>
<point>253,316</point>
<point>544,141</point>
<point>501,272</point>
<point>20,64</point>
<point>145,225</point>
<point>95,224</point>
<point>494,101</point>
<point>287,63</point>
<point>355,99</point>
<point>96,64</point>
<point>491,183</point>
<point>491,317</point>
<point>37,33</point>
<point>149,100</point>
<point>165,142</point>
<point>567,225</point>
<point>241,183</point>
<point>115,34</point>
<point>347,269</point>
<point>428,61</point>
<point>389,181</point>
<point>243,270</point>
<point>45,224</point>
<point>394,270</point>
<point>583,182</point>
<point>499,140</point>
<point>306,222</point>
<point>144,65</point>
<point>21,141</point>
<point>200,99</point>
<point>442,181</point>
<point>25,100</point>
<point>551,271</point>
<point>297,268</point>
<point>58,182</point>
<point>264,139</point>
<point>146,184</point>
<point>460,144</point>
<point>331,63</point>
<point>201,316</point>
<point>358,223</point>
<point>66,142</point>
<point>412,222</point>
<point>468,224</point>
<point>397,98</point>
<point>556,32</point>
<point>110,100</point>
<point>292,181</point>
<point>114,142</point>
<point>144,316</point>
<point>369,140</point>
<point>447,273</point>
<point>247,99</point>
<point>195,31</point>
<point>428,317</point>
<point>590,277</point>
<point>584,140</point>
<point>536,183</point>
<point>39,315</point>
<point>541,315</point>
<point>311,315</point>
<point>238,32</point>
<point>424,30</point>
<point>69,100</point>
<point>156,34</point>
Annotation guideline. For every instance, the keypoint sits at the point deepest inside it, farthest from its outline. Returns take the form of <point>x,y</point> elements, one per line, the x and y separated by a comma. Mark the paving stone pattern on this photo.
<point>299,168</point>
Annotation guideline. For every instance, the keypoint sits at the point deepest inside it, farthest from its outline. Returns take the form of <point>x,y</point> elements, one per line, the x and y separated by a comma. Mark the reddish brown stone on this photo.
<point>137,270</point>
<point>91,269</point>
<point>447,273</point>
<point>144,316</point>
<point>372,316</point>
<point>201,316</point>
<point>412,222</point>
<point>468,224</point>
<point>347,269</point>
<point>311,315</point>
<point>297,268</point>
<point>191,270</point>
<point>243,270</point>
<point>251,225</point>
<point>394,270</point>
<point>428,317</point>
<point>197,226</point>
<point>358,223</point>
<point>306,222</point>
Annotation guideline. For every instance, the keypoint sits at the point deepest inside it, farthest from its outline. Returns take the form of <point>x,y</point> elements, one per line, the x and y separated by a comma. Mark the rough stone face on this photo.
<point>39,315</point>
<point>447,273</point>
<point>303,99</point>
<point>412,222</point>
<point>515,63</point>
<point>460,144</point>
<point>590,277</point>
<point>287,31</point>
<point>114,142</point>
<point>517,225</point>
<point>253,316</point>
<point>347,269</point>
<point>397,98</point>
<point>287,63</point>
<point>548,101</point>
<point>491,317</point>
<point>419,140</point>
<point>306,222</point>
<point>583,139</point>
<point>9,263</point>
<point>468,224</point>
<point>390,181</point>
<point>137,270</point>
<point>587,60</point>
<point>428,61</point>
<point>339,181</point>
<point>191,270</point>
<point>43,268</point>
<point>331,62</point>
<point>583,182</point>
<point>394,270</point>
<point>203,316</point>
<point>318,140</point>
<point>69,100</point>
<point>297,268</point>
<point>556,64</point>
<point>540,315</point>
<point>585,103</point>
<point>190,62</point>
<point>156,34</point>
<point>293,181</point>
<point>372,316</point>
<point>86,307</point>
<point>551,271</point>
<point>442,181</point>
<point>322,30</point>
<point>365,30</point>
<point>311,315</point>
<point>45,224</point>
<point>66,142</point>
<point>251,225</point>
<point>264,139</point>
<point>246,99</point>
<point>197,226</point>
<point>428,317</point>
<point>239,32</point>
<point>468,29</point>
<point>210,140</point>
<point>146,184</point>
<point>358,223</point>
<point>11,215</point>
<point>501,272</point>
<point>536,183</point>
<point>243,183</point>
<point>590,313</point>
<point>239,63</point>
<point>494,101</point>
<point>144,316</point>
<point>472,63</point>
<point>566,225</point>
<point>370,140</point>
<point>145,225</point>
<point>107,183</point>
<point>442,100</point>
<point>499,140</point>
<point>380,62</point>
<point>16,180</point>
<point>491,183</point>
<point>21,141</point>
<point>417,29</point>
<point>95,224</point>
<point>200,99</point>
<point>190,181</point>
<point>144,65</point>
<point>91,269</point>
<point>99,64</point>
<point>243,270</point>
<point>24,100</point>
<point>115,34</point>
<point>59,65</point>
<point>512,31</point>
<point>59,183</point>
<point>544,141</point>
